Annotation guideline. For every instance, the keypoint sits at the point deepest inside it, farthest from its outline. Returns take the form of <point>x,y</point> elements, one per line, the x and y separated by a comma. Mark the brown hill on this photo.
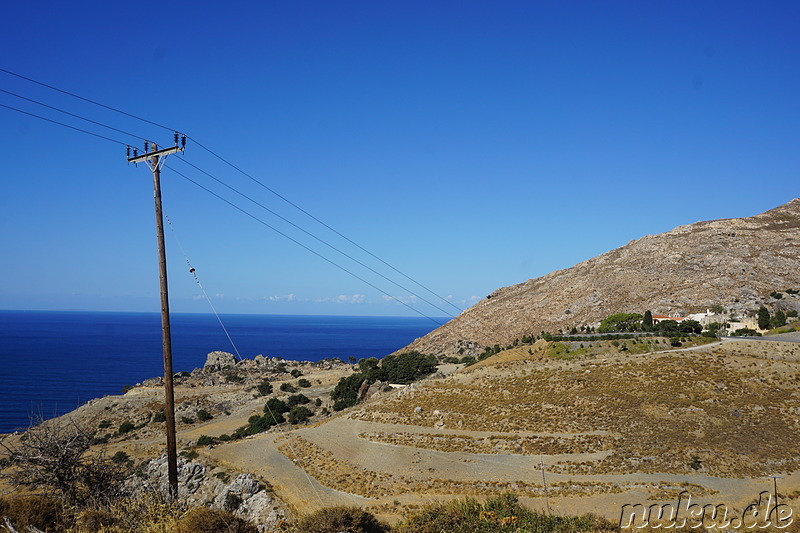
<point>732,262</point>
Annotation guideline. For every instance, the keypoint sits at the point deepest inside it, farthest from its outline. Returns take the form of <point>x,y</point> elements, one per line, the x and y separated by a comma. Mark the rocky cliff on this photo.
<point>733,262</point>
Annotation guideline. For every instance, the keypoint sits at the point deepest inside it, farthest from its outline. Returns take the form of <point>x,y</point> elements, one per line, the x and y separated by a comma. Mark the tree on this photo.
<point>717,309</point>
<point>621,322</point>
<point>299,413</point>
<point>779,319</point>
<point>763,318</point>
<point>52,458</point>
<point>667,326</point>
<point>690,326</point>
<point>647,321</point>
<point>407,367</point>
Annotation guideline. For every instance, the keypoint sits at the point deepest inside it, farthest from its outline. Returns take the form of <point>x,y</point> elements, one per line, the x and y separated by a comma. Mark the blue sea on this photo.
<point>53,361</point>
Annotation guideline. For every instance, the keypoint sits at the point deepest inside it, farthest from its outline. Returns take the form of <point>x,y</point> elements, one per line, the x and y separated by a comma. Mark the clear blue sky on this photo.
<point>471,145</point>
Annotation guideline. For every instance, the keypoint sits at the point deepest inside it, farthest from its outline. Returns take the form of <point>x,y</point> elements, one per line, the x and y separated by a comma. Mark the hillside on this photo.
<point>732,262</point>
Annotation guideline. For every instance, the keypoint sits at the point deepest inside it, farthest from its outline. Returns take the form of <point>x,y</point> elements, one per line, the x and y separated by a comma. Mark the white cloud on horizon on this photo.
<point>291,297</point>
<point>344,299</point>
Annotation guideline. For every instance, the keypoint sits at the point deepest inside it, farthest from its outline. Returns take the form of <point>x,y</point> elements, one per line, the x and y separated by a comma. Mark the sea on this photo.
<point>53,361</point>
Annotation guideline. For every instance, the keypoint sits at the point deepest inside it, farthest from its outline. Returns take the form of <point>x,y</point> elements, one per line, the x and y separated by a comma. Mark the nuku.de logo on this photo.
<point>764,513</point>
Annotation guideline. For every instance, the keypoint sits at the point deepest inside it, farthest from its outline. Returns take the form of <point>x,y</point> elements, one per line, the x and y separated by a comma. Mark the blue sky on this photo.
<point>470,145</point>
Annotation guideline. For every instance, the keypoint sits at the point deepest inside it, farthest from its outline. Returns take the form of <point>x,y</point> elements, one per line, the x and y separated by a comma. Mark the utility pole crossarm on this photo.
<point>157,153</point>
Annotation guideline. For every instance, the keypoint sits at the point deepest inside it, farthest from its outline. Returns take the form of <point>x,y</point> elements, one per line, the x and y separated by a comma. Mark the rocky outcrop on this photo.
<point>218,360</point>
<point>732,262</point>
<point>198,485</point>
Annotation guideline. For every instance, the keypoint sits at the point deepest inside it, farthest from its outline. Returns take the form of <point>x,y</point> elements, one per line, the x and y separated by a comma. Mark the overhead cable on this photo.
<point>281,233</point>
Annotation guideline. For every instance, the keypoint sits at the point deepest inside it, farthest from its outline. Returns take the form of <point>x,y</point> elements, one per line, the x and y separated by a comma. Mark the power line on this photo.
<point>478,319</point>
<point>329,245</point>
<point>279,232</point>
<point>266,187</point>
<point>193,272</point>
<point>74,115</point>
<point>85,99</point>
<point>65,125</point>
<point>250,215</point>
<point>323,223</point>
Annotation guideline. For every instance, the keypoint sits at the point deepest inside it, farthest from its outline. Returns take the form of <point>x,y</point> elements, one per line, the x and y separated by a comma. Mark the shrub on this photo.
<point>296,399</point>
<point>274,405</point>
<point>190,455</point>
<point>299,413</point>
<point>205,440</point>
<point>205,520</point>
<point>264,388</point>
<point>288,387</point>
<point>47,514</point>
<point>203,415</point>
<point>187,420</point>
<point>233,377</point>
<point>501,513</point>
<point>159,416</point>
<point>232,501</point>
<point>95,520</point>
<point>295,373</point>
<point>341,518</point>
<point>120,457</point>
<point>104,424</point>
<point>126,427</point>
<point>303,382</point>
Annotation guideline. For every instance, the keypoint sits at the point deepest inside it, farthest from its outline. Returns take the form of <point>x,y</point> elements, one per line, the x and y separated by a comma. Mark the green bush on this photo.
<point>297,399</point>
<point>274,405</point>
<point>205,440</point>
<point>159,416</point>
<point>203,415</point>
<point>295,373</point>
<point>288,387</point>
<point>126,427</point>
<point>299,413</point>
<point>402,368</point>
<point>304,383</point>
<point>264,388</point>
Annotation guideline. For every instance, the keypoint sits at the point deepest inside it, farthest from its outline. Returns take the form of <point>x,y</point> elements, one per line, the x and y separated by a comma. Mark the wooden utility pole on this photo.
<point>155,159</point>
<point>544,482</point>
<point>775,492</point>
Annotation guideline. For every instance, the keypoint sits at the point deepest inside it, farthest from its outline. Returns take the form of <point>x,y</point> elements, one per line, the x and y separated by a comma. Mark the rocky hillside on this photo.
<point>733,262</point>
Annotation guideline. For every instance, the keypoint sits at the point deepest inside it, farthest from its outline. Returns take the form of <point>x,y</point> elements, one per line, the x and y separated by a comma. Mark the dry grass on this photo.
<point>498,444</point>
<point>738,415</point>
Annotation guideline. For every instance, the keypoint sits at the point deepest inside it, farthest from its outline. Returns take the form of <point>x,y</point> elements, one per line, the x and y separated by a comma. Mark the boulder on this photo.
<point>218,360</point>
